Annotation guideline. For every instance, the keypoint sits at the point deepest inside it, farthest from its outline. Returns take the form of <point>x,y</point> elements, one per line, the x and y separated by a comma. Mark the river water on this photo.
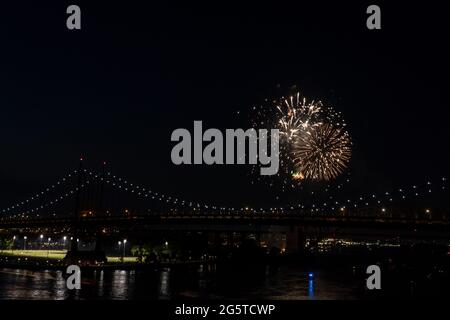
<point>207,282</point>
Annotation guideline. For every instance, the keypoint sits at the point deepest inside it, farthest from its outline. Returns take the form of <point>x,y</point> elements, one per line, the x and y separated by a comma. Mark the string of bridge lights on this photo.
<point>42,193</point>
<point>123,184</point>
<point>52,202</point>
<point>39,195</point>
<point>362,201</point>
<point>373,199</point>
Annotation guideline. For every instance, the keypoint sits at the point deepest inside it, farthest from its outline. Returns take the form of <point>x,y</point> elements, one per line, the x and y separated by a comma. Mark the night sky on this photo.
<point>115,90</point>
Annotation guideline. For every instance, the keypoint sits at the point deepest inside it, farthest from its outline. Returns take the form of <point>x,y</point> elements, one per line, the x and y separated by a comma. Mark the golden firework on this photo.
<point>322,153</point>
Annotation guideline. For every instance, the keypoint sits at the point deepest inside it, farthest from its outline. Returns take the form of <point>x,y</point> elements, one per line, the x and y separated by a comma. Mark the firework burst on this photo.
<point>314,144</point>
<point>297,115</point>
<point>321,153</point>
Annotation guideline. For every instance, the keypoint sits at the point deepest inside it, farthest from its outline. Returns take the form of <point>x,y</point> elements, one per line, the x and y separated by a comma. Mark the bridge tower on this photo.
<point>76,215</point>
<point>75,256</point>
<point>101,210</point>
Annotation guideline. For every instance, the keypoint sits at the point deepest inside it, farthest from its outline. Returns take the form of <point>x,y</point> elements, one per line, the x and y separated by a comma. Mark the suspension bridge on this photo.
<point>87,202</point>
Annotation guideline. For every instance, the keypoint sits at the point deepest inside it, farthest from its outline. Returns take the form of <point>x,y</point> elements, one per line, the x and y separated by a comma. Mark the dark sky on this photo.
<point>116,89</point>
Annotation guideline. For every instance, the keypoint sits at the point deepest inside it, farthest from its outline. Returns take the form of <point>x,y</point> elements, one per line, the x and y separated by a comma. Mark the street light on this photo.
<point>120,246</point>
<point>42,236</point>
<point>24,243</point>
<point>124,245</point>
<point>48,246</point>
<point>64,239</point>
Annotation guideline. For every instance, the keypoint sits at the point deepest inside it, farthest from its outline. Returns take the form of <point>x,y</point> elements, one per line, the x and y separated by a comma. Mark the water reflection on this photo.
<point>311,289</point>
<point>101,284</point>
<point>164,291</point>
<point>120,284</point>
<point>201,282</point>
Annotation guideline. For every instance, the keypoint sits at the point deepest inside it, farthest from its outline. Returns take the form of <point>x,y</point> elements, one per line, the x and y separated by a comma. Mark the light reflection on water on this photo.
<point>200,282</point>
<point>311,289</point>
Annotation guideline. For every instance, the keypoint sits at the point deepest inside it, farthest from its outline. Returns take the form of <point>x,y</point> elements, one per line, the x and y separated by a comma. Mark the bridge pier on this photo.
<point>82,257</point>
